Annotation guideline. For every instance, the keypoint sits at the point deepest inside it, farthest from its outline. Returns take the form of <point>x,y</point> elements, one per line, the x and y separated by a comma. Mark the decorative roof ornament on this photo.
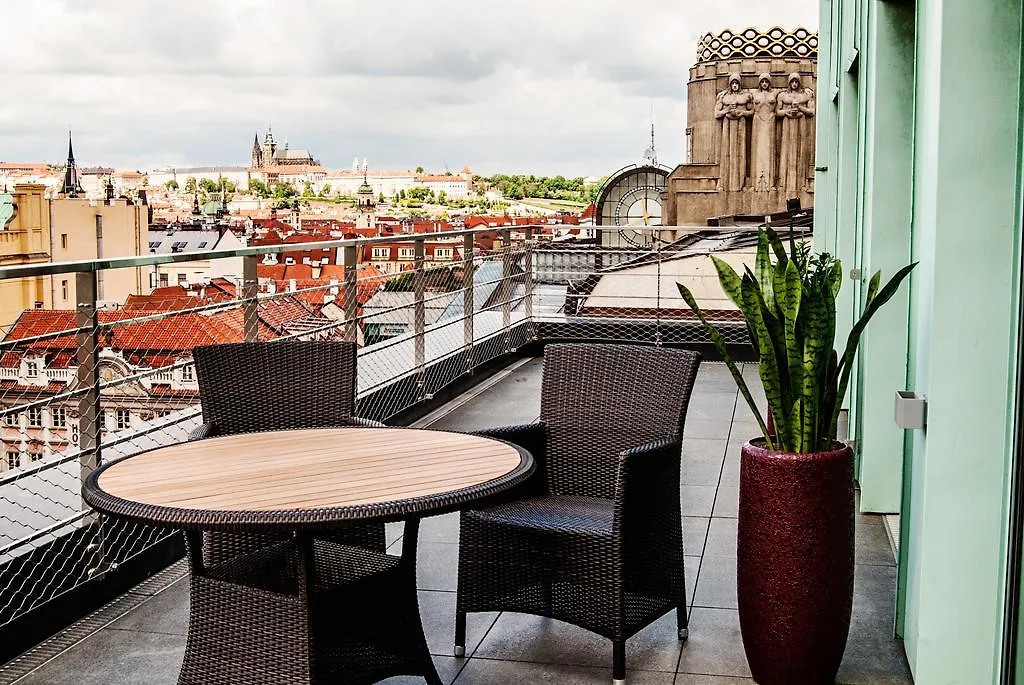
<point>651,154</point>
<point>752,43</point>
<point>8,210</point>
<point>71,187</point>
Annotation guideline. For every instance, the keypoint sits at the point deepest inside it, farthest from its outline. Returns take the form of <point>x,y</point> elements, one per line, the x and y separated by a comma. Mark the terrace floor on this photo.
<point>145,644</point>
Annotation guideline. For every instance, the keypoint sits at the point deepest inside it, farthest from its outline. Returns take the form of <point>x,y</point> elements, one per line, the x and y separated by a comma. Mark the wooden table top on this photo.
<point>349,473</point>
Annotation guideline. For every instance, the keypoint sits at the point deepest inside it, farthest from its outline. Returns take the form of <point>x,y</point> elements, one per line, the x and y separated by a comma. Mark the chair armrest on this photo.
<point>206,430</point>
<point>647,483</point>
<point>531,437</point>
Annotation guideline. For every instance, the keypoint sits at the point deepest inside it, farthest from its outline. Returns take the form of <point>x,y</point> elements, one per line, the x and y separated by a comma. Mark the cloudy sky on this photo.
<point>535,86</point>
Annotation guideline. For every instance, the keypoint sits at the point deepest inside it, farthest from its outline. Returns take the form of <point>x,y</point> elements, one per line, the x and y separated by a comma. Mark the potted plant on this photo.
<point>795,544</point>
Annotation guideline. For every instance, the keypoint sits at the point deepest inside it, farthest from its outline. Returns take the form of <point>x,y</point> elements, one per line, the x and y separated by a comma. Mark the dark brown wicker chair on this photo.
<point>265,386</point>
<point>596,539</point>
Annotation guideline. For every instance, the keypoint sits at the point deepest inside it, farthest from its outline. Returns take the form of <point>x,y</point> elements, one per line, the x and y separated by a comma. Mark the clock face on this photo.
<point>632,199</point>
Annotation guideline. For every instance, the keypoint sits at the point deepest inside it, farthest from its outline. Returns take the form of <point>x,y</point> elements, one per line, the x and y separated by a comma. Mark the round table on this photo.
<point>294,606</point>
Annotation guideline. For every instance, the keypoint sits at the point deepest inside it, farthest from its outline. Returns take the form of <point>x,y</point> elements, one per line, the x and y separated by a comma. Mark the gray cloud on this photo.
<point>533,86</point>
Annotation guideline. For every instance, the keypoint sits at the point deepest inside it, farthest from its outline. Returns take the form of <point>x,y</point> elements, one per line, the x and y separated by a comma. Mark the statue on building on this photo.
<point>733,107</point>
<point>762,135</point>
<point>795,108</point>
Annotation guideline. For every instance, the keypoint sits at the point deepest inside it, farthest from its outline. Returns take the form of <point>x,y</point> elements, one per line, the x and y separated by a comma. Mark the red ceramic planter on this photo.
<point>795,561</point>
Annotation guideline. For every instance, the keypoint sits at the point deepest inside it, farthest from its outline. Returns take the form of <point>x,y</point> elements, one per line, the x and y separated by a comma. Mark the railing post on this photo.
<point>657,312</point>
<point>419,315</point>
<point>506,287</point>
<point>88,353</point>
<point>250,303</point>
<point>349,258</point>
<point>528,280</point>
<point>90,411</point>
<point>468,304</point>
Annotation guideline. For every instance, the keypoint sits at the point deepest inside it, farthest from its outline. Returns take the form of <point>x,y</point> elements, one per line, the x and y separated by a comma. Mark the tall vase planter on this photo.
<point>795,562</point>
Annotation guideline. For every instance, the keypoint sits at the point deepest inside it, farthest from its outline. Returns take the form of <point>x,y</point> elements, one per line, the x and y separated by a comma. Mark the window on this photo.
<point>164,280</point>
<point>35,456</point>
<point>32,369</point>
<point>289,260</point>
<point>201,245</point>
<point>155,245</point>
<point>13,459</point>
<point>443,253</point>
<point>407,253</point>
<point>182,279</point>
<point>383,253</point>
<point>188,374</point>
<point>123,419</point>
<point>325,260</point>
<point>178,246</point>
<point>35,417</point>
<point>11,419</point>
<point>64,289</point>
<point>63,241</point>
<point>58,417</point>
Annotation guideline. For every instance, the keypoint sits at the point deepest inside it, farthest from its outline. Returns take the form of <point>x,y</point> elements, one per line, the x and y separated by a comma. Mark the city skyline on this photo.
<point>564,88</point>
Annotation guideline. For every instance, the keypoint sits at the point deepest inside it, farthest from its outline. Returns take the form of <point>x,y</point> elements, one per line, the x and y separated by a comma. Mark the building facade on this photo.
<point>919,159</point>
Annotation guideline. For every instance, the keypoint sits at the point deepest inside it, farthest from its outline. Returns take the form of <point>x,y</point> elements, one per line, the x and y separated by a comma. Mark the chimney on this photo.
<point>315,269</point>
<point>291,285</point>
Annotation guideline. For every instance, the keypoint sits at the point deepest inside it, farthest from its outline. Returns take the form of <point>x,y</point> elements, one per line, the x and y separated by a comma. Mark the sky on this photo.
<point>532,86</point>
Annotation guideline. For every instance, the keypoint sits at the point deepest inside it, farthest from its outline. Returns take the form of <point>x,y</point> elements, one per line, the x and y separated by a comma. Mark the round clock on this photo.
<point>631,199</point>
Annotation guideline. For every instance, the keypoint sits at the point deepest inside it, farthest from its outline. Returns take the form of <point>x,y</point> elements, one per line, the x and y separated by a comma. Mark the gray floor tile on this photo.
<point>691,679</point>
<point>494,672</point>
<point>727,501</point>
<point>711,406</point>
<point>702,461</point>
<point>721,538</point>
<point>440,528</point>
<point>691,566</point>
<point>165,612</point>
<point>437,565</point>
<point>437,612</point>
<point>695,534</point>
<point>716,428</point>
<point>716,583</point>
<point>522,637</point>
<point>731,466</point>
<point>872,542</point>
<point>714,646</point>
<point>697,500</point>
<point>115,657</point>
<point>447,668</point>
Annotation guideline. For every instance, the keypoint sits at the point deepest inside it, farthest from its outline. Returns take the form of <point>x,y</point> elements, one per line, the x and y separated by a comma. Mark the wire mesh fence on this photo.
<point>87,385</point>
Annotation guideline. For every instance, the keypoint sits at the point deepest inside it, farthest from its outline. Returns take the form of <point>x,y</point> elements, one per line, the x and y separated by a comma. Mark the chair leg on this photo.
<point>618,662</point>
<point>460,633</point>
<point>682,622</point>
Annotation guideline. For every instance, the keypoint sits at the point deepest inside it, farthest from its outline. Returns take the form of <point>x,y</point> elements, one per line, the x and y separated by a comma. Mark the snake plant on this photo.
<point>789,305</point>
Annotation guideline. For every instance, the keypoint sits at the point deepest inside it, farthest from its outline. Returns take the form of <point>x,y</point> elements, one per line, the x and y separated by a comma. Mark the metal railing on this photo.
<point>81,387</point>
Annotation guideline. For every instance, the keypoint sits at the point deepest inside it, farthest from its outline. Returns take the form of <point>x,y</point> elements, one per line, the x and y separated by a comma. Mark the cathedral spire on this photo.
<point>71,187</point>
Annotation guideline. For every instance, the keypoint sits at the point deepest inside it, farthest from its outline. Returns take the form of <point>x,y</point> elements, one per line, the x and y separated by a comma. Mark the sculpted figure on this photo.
<point>762,135</point>
<point>733,108</point>
<point>795,108</point>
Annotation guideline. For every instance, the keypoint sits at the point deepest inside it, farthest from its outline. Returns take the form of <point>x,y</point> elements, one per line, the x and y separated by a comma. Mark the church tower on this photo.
<point>257,152</point>
<point>71,187</point>
<point>366,205</point>
<point>269,148</point>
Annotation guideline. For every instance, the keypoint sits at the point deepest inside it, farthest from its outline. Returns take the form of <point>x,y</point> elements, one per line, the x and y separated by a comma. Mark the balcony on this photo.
<point>475,366</point>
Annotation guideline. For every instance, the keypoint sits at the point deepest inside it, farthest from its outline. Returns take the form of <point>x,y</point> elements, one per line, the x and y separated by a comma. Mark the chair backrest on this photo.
<point>259,386</point>
<point>600,399</point>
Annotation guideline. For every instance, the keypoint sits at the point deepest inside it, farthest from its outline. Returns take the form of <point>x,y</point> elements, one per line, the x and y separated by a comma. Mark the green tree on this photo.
<point>419,170</point>
<point>171,185</point>
<point>190,184</point>
<point>258,188</point>
<point>325,190</point>
<point>307,189</point>
<point>380,198</point>
<point>208,185</point>
<point>401,194</point>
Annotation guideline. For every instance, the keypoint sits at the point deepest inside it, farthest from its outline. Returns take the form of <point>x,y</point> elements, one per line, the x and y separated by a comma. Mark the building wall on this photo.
<point>26,240</point>
<point>922,143</point>
<point>82,230</point>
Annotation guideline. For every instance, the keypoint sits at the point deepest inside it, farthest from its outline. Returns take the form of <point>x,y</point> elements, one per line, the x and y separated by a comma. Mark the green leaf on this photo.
<point>819,333</point>
<point>768,367</point>
<point>730,281</point>
<point>719,342</point>
<point>788,297</point>
<point>765,272</point>
<point>835,279</point>
<point>873,287</point>
<point>846,365</point>
<point>798,425</point>
<point>777,247</point>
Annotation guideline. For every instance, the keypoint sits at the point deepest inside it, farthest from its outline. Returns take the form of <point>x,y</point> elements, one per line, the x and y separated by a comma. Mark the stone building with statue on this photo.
<point>750,127</point>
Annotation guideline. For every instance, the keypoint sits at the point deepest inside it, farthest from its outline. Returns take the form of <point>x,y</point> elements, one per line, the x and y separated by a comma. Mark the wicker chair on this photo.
<point>596,538</point>
<point>259,386</point>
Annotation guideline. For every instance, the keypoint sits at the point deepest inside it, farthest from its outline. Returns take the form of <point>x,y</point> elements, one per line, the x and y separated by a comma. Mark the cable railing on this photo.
<point>81,387</point>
